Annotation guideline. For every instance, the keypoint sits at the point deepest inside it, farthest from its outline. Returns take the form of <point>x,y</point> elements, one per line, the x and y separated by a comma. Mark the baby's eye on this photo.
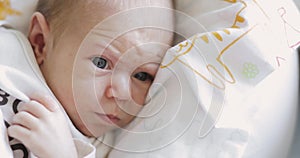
<point>143,76</point>
<point>100,62</point>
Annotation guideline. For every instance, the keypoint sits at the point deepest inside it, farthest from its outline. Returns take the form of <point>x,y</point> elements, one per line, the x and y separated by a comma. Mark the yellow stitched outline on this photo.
<point>181,47</point>
<point>237,16</point>
<point>205,38</point>
<point>218,36</point>
<point>226,31</point>
<point>231,1</point>
<point>212,69</point>
<point>202,76</point>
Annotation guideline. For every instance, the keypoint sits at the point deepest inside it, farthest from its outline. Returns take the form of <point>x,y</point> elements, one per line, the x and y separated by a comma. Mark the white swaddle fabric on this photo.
<point>203,99</point>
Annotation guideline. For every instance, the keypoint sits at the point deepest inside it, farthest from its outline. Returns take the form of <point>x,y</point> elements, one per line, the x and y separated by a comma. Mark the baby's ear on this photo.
<point>38,36</point>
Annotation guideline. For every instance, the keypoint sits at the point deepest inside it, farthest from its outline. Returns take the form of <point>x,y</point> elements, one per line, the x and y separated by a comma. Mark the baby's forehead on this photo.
<point>126,36</point>
<point>128,48</point>
<point>152,24</point>
<point>128,4</point>
<point>144,40</point>
<point>106,8</point>
<point>137,28</point>
<point>145,11</point>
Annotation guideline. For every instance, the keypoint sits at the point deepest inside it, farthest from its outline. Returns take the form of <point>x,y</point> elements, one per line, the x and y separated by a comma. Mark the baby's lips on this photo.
<point>113,117</point>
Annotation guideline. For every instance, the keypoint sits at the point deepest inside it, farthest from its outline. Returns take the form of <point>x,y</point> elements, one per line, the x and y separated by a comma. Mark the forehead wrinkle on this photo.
<point>144,37</point>
<point>102,34</point>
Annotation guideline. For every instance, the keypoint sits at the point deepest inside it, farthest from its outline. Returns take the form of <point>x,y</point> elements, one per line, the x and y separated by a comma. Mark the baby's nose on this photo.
<point>120,87</point>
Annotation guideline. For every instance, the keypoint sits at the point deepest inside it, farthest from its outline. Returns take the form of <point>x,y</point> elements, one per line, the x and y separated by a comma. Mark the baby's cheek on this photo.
<point>127,120</point>
<point>139,97</point>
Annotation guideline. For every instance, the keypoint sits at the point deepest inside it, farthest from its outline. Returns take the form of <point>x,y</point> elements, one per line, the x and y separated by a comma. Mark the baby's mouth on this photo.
<point>109,118</point>
<point>113,118</point>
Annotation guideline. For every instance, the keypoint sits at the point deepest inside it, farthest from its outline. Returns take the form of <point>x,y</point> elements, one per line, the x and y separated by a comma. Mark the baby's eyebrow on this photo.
<point>109,50</point>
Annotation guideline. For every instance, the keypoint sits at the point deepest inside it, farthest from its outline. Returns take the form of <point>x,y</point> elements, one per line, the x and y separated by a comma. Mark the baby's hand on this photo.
<point>42,128</point>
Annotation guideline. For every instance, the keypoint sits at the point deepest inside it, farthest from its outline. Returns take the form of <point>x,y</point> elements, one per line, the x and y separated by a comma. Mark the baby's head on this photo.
<point>99,57</point>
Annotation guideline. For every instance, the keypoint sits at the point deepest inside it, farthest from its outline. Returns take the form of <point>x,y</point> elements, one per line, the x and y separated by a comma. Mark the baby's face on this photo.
<point>102,80</point>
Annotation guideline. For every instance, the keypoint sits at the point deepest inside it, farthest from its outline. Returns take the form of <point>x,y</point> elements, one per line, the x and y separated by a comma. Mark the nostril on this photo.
<point>109,92</point>
<point>119,94</point>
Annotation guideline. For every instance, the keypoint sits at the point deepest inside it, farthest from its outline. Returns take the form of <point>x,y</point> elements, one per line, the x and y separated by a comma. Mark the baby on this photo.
<point>99,58</point>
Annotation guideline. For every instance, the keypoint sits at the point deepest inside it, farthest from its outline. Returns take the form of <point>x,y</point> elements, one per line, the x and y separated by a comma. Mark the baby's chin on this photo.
<point>99,132</point>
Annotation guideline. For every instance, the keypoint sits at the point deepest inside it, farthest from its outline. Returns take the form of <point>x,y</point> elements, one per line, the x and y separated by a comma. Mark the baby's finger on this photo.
<point>47,102</point>
<point>26,120</point>
<point>18,132</point>
<point>34,108</point>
